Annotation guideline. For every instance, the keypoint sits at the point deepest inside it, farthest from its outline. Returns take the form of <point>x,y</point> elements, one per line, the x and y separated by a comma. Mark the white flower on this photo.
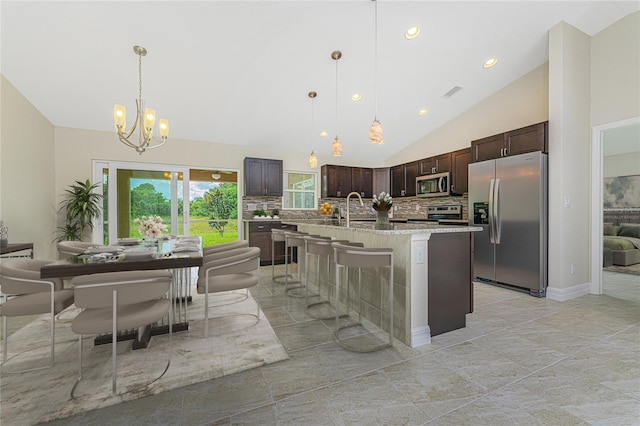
<point>151,226</point>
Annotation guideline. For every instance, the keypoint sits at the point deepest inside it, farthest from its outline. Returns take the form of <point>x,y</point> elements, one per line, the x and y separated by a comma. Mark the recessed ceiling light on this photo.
<point>356,97</point>
<point>323,134</point>
<point>423,111</point>
<point>412,33</point>
<point>490,62</point>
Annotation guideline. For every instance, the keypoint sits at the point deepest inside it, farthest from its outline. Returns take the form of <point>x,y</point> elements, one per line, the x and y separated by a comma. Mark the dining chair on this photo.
<point>219,248</point>
<point>25,293</point>
<point>115,301</point>
<point>228,271</point>
<point>71,248</point>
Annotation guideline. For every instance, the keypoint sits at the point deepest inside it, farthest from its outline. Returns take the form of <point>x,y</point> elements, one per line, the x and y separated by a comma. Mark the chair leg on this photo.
<point>114,340</point>
<point>75,385</point>
<point>53,336</point>
<point>5,339</point>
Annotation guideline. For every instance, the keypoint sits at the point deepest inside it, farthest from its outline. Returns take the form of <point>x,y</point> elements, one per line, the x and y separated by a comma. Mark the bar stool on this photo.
<point>319,246</point>
<point>277,236</point>
<point>347,256</point>
<point>293,239</point>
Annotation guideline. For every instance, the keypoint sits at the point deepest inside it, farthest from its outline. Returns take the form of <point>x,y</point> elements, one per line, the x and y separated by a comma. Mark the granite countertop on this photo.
<point>392,228</point>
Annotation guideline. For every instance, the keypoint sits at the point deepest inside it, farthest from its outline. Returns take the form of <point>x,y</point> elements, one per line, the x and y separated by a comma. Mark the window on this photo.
<point>299,191</point>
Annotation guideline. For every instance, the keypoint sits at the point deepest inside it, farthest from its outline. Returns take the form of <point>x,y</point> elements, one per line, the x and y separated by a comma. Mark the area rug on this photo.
<point>631,269</point>
<point>236,343</point>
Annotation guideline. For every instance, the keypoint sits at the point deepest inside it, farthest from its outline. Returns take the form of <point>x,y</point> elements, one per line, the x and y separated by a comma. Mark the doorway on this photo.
<point>608,147</point>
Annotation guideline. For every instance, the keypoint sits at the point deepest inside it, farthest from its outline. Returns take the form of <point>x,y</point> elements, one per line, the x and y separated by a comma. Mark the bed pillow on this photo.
<point>610,230</point>
<point>629,230</point>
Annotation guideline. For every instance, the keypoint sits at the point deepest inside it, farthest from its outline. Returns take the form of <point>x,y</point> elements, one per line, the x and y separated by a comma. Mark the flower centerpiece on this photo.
<point>150,227</point>
<point>382,204</point>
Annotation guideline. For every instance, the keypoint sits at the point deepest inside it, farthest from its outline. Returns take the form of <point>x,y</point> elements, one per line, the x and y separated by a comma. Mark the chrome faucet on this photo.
<point>348,197</point>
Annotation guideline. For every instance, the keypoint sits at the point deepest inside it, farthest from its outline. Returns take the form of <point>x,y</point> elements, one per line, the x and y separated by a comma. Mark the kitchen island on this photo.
<point>433,269</point>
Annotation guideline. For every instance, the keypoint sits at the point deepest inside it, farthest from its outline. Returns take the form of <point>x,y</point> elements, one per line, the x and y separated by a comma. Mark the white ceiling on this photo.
<point>238,72</point>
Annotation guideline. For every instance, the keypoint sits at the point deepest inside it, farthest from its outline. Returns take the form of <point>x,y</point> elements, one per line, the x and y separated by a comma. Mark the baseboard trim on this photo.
<point>420,336</point>
<point>563,294</point>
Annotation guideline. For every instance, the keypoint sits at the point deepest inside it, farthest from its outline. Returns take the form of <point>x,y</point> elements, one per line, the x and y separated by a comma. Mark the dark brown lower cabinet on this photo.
<point>450,296</point>
<point>259,235</point>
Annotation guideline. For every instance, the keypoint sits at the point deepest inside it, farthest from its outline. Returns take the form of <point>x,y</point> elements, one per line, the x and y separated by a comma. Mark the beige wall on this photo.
<point>621,165</point>
<point>615,71</point>
<point>27,202</point>
<point>569,155</point>
<point>521,103</point>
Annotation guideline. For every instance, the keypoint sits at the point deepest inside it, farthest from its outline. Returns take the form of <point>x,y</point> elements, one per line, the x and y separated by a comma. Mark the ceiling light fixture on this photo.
<point>324,134</point>
<point>423,111</point>
<point>336,146</point>
<point>146,120</point>
<point>356,97</point>
<point>313,158</point>
<point>375,131</point>
<point>216,176</point>
<point>490,62</point>
<point>412,32</point>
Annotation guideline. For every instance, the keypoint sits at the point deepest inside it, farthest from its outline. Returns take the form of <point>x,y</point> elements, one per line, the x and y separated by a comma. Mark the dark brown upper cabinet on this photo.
<point>403,179</point>
<point>362,181</point>
<point>262,177</point>
<point>336,181</point>
<point>519,141</point>
<point>460,160</point>
<point>437,164</point>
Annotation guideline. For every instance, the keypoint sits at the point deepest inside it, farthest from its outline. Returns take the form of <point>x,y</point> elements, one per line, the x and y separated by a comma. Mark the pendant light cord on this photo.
<point>375,61</point>
<point>336,99</point>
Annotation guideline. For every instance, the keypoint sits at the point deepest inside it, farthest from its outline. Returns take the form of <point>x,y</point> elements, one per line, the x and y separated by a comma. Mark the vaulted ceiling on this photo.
<point>238,72</point>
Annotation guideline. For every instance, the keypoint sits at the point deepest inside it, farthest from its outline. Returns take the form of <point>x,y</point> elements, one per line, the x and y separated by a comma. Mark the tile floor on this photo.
<point>520,361</point>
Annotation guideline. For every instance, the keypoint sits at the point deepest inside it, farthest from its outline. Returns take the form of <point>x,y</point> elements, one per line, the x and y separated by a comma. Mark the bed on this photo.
<point>623,242</point>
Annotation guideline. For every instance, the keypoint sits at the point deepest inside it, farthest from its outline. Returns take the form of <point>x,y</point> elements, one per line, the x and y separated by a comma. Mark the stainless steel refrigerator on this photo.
<point>508,199</point>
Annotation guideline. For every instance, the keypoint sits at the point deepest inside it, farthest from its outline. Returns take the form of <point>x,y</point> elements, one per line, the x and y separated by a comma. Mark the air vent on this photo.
<point>453,91</point>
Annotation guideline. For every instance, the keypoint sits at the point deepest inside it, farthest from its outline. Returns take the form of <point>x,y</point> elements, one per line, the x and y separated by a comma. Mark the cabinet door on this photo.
<point>362,181</point>
<point>410,175</point>
<point>460,171</point>
<point>253,176</point>
<point>382,180</point>
<point>426,166</point>
<point>397,181</point>
<point>273,177</point>
<point>343,187</point>
<point>329,176</point>
<point>262,177</point>
<point>527,139</point>
<point>487,148</point>
<point>443,163</point>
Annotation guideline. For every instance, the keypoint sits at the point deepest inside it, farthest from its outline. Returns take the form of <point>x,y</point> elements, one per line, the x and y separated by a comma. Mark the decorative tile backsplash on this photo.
<point>406,207</point>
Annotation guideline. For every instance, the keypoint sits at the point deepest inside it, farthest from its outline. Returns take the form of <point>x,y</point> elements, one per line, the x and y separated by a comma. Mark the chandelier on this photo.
<point>313,158</point>
<point>375,131</point>
<point>145,119</point>
<point>336,146</point>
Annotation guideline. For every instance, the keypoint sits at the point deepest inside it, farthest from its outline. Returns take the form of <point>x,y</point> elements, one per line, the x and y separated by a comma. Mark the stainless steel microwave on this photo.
<point>436,185</point>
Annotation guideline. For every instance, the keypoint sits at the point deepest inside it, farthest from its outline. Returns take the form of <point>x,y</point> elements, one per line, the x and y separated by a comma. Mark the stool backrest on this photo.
<point>362,257</point>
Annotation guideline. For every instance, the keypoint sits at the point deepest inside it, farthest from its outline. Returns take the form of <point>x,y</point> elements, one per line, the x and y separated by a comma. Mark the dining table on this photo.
<point>178,255</point>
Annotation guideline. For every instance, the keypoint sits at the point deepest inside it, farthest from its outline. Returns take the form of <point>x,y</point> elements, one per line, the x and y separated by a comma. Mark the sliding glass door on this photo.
<point>189,201</point>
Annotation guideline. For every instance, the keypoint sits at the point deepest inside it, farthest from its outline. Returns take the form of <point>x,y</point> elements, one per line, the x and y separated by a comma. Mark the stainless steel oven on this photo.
<point>436,185</point>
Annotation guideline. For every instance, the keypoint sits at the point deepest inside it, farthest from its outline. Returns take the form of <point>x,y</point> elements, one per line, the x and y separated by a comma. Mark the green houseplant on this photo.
<point>81,206</point>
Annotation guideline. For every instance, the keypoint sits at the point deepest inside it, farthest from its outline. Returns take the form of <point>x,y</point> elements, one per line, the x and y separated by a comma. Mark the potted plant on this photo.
<point>81,205</point>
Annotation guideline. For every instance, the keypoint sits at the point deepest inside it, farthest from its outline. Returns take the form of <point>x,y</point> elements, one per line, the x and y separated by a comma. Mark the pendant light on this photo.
<point>336,146</point>
<point>313,158</point>
<point>375,131</point>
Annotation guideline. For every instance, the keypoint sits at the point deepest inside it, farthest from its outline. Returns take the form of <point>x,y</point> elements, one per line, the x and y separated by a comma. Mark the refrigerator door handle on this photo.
<point>496,211</point>
<point>492,224</point>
